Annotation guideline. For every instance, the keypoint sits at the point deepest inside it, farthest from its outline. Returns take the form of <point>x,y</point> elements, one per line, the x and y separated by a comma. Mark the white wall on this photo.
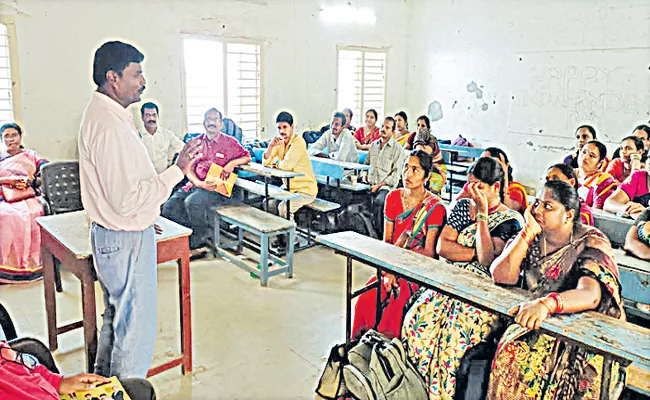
<point>57,40</point>
<point>460,41</point>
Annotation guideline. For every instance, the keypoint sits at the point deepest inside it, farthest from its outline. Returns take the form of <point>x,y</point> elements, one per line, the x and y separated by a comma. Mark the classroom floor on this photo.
<point>249,342</point>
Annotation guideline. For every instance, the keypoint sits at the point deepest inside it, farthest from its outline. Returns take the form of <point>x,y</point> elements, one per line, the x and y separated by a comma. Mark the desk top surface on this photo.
<point>266,171</point>
<point>258,188</point>
<point>598,331</point>
<point>342,164</point>
<point>255,218</point>
<point>626,260</point>
<point>604,215</point>
<point>73,232</point>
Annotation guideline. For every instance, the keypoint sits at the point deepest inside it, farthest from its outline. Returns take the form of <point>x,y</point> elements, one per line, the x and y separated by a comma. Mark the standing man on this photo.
<point>122,195</point>
<point>337,143</point>
<point>386,159</point>
<point>192,204</point>
<point>161,143</point>
<point>288,152</point>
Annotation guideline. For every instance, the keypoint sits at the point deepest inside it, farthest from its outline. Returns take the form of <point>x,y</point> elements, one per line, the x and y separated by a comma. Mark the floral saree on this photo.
<point>534,365</point>
<point>439,330</point>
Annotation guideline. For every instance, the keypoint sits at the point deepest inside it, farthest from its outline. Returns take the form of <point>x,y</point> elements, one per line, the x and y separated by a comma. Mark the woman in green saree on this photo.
<point>438,330</point>
<point>570,268</point>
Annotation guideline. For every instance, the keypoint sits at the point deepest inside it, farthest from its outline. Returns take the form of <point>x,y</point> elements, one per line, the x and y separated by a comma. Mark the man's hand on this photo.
<point>80,382</point>
<point>276,141</point>
<point>209,186</point>
<point>227,170</point>
<point>188,156</point>
<point>375,188</point>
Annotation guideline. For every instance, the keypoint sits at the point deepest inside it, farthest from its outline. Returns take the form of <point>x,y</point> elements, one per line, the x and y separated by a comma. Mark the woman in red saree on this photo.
<point>20,238</point>
<point>413,217</point>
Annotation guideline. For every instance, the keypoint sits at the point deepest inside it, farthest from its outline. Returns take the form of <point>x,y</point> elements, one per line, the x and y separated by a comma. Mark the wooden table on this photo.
<point>343,164</point>
<point>613,226</point>
<point>615,340</point>
<point>268,173</point>
<point>67,238</point>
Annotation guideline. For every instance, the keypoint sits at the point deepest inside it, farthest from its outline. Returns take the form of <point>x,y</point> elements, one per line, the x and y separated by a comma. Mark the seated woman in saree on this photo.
<point>563,172</point>
<point>423,139</point>
<point>413,217</point>
<point>569,268</point>
<point>595,186</point>
<point>365,135</point>
<point>439,330</point>
<point>514,193</point>
<point>20,236</point>
<point>632,196</point>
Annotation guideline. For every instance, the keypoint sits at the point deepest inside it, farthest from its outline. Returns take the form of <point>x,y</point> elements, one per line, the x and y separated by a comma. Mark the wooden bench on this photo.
<point>265,190</point>
<point>614,339</point>
<point>262,224</point>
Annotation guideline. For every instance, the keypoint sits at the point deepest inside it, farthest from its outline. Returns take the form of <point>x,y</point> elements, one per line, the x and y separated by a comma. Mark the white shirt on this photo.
<point>120,189</point>
<point>341,149</point>
<point>161,147</point>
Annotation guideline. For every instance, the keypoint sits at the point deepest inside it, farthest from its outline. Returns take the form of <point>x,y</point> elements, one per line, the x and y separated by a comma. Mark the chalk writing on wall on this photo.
<point>554,92</point>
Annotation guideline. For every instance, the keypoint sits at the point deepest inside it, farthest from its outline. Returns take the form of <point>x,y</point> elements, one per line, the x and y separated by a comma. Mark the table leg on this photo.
<point>266,193</point>
<point>292,235</point>
<point>50,297</point>
<point>288,201</point>
<point>264,260</point>
<point>378,312</point>
<point>89,307</point>
<point>185,311</point>
<point>348,301</point>
<point>606,378</point>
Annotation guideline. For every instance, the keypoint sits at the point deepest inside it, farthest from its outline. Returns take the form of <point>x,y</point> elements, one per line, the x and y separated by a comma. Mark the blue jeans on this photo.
<point>126,267</point>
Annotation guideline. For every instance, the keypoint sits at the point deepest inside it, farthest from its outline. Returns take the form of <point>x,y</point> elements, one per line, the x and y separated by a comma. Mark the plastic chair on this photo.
<point>61,194</point>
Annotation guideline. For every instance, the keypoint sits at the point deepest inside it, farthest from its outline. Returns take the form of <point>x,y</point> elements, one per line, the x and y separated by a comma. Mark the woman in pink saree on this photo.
<point>20,238</point>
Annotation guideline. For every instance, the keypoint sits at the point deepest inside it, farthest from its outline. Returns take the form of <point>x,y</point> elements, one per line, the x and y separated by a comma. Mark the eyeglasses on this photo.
<point>17,357</point>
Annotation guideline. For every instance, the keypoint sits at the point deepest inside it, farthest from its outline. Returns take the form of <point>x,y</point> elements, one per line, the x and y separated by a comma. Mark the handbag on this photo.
<point>12,195</point>
<point>331,384</point>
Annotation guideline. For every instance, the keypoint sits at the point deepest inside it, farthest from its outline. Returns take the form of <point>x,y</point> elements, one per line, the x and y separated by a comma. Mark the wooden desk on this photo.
<point>613,226</point>
<point>67,237</point>
<point>260,169</point>
<point>615,340</point>
<point>267,173</point>
<point>343,164</point>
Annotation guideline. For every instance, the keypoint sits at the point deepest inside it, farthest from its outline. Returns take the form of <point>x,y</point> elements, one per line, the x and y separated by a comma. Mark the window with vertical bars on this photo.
<point>361,82</point>
<point>6,95</point>
<point>224,75</point>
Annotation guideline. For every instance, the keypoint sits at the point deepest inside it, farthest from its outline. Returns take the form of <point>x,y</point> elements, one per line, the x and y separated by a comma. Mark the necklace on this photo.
<point>544,243</point>
<point>493,209</point>
<point>407,203</point>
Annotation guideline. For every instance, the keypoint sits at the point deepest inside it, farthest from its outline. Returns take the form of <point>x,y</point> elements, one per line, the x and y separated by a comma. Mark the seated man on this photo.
<point>191,205</point>
<point>288,152</point>
<point>161,143</point>
<point>28,371</point>
<point>348,120</point>
<point>386,157</point>
<point>337,143</point>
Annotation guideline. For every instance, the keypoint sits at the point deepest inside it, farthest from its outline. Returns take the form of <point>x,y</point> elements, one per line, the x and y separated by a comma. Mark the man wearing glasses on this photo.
<point>190,205</point>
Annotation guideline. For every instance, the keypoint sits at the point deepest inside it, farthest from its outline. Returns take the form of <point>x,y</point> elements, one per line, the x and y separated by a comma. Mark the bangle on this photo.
<point>481,217</point>
<point>559,300</point>
<point>550,310</point>
<point>527,237</point>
